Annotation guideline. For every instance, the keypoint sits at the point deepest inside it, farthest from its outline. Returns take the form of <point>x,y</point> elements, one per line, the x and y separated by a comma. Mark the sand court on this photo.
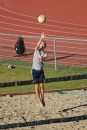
<point>24,109</point>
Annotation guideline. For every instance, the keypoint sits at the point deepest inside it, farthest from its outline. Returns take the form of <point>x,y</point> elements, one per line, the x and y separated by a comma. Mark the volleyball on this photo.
<point>41,19</point>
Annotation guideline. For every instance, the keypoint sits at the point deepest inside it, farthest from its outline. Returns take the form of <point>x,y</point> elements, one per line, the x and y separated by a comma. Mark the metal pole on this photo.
<point>55,60</point>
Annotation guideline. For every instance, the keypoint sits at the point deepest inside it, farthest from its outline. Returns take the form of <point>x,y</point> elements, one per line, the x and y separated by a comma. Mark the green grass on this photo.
<point>22,71</point>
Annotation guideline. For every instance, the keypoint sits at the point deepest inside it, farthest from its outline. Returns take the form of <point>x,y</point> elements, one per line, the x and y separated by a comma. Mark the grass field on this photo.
<point>22,71</point>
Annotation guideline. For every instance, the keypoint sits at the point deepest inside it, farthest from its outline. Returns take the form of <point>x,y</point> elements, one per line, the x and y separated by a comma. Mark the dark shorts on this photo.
<point>38,76</point>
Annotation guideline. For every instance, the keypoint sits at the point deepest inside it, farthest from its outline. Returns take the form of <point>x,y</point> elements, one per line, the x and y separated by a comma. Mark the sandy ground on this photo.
<point>22,109</point>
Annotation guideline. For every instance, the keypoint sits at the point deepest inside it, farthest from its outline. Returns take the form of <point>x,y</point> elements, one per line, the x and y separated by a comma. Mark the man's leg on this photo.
<point>37,91</point>
<point>42,93</point>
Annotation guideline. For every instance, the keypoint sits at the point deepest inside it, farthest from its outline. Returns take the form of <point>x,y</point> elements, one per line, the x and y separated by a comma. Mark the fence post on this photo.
<point>55,60</point>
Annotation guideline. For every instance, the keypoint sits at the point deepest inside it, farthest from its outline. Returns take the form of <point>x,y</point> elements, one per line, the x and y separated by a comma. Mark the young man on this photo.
<point>37,68</point>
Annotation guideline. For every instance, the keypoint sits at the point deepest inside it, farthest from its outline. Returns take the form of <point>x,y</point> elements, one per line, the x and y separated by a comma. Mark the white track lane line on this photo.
<point>23,26</point>
<point>7,10</point>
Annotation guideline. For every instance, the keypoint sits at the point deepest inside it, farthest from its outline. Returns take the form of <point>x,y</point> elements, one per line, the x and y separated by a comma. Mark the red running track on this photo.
<point>64,19</point>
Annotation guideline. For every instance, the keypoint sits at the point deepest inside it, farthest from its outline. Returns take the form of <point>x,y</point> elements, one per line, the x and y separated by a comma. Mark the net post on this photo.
<point>55,60</point>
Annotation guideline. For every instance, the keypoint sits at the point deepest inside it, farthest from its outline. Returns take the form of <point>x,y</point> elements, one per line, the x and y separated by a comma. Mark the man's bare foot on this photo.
<point>43,103</point>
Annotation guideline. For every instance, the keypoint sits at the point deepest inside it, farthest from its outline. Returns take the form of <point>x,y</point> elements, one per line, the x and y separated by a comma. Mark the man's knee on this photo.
<point>41,86</point>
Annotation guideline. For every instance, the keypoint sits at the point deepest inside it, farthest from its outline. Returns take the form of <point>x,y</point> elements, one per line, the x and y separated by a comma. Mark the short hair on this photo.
<point>44,43</point>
